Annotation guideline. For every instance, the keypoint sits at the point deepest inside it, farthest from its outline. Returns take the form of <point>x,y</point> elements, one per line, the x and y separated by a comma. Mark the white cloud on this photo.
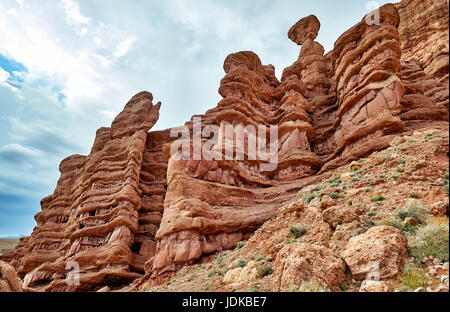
<point>73,14</point>
<point>123,48</point>
<point>3,76</point>
<point>20,2</point>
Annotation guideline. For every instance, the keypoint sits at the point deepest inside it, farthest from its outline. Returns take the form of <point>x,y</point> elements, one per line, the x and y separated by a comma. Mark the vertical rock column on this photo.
<point>316,74</point>
<point>369,87</point>
<point>102,200</point>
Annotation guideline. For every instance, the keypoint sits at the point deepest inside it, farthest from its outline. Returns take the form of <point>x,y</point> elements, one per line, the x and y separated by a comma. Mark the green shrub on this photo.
<point>265,270</point>
<point>371,214</point>
<point>241,263</point>
<point>297,232</point>
<point>400,170</point>
<point>377,199</point>
<point>397,223</point>
<point>350,202</point>
<point>414,277</point>
<point>336,180</point>
<point>414,195</point>
<point>335,195</point>
<point>309,197</point>
<point>431,240</point>
<point>420,214</point>
<point>240,245</point>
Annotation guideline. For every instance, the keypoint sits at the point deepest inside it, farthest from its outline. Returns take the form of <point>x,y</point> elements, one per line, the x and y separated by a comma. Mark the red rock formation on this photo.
<point>9,282</point>
<point>130,207</point>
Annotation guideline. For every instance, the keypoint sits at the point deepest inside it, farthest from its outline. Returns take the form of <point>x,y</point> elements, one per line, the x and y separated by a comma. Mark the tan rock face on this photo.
<point>381,250</point>
<point>9,281</point>
<point>298,263</point>
<point>129,208</point>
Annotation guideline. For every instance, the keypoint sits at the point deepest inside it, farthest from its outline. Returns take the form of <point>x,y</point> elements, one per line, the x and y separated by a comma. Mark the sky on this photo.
<point>67,68</point>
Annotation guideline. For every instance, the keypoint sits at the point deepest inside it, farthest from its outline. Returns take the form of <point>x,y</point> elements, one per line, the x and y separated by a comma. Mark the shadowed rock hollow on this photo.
<point>129,212</point>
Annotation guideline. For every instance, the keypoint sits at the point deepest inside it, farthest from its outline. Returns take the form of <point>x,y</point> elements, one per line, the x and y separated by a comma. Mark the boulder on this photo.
<point>301,262</point>
<point>384,245</point>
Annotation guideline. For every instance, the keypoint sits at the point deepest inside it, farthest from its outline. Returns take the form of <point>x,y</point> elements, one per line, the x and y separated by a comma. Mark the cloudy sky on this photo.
<point>67,67</point>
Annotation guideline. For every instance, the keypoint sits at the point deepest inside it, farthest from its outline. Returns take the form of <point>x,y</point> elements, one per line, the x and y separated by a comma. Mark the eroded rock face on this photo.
<point>381,250</point>
<point>306,28</point>
<point>9,281</point>
<point>130,208</point>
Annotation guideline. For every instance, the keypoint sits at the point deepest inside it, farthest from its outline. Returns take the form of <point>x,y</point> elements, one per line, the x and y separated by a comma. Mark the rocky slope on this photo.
<point>130,212</point>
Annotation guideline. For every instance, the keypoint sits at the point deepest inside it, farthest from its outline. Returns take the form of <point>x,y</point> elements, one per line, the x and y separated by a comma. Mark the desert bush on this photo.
<point>431,240</point>
<point>418,213</point>
<point>265,270</point>
<point>377,199</point>
<point>297,232</point>
<point>399,224</point>
<point>240,245</point>
<point>309,197</point>
<point>414,277</point>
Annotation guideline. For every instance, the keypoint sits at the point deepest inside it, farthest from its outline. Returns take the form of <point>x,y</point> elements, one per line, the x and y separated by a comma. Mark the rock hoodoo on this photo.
<point>131,211</point>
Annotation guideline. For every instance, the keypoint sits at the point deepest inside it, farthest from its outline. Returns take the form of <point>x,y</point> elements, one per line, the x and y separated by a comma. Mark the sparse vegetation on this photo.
<point>240,245</point>
<point>397,223</point>
<point>309,197</point>
<point>431,240</point>
<point>371,214</point>
<point>414,277</point>
<point>296,231</point>
<point>242,263</point>
<point>377,199</point>
<point>265,270</point>
<point>350,202</point>
<point>335,195</point>
<point>417,213</point>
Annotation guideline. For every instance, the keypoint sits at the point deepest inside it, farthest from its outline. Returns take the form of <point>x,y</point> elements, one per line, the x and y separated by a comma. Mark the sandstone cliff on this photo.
<point>130,212</point>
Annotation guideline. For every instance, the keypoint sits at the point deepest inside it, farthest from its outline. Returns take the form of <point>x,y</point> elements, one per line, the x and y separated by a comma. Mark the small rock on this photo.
<point>374,286</point>
<point>444,278</point>
<point>432,271</point>
<point>327,202</point>
<point>445,266</point>
<point>297,206</point>
<point>420,289</point>
<point>436,261</point>
<point>443,288</point>
<point>403,289</point>
<point>411,221</point>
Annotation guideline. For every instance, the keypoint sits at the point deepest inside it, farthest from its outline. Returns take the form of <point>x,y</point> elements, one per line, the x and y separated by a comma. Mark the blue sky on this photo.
<point>67,67</point>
